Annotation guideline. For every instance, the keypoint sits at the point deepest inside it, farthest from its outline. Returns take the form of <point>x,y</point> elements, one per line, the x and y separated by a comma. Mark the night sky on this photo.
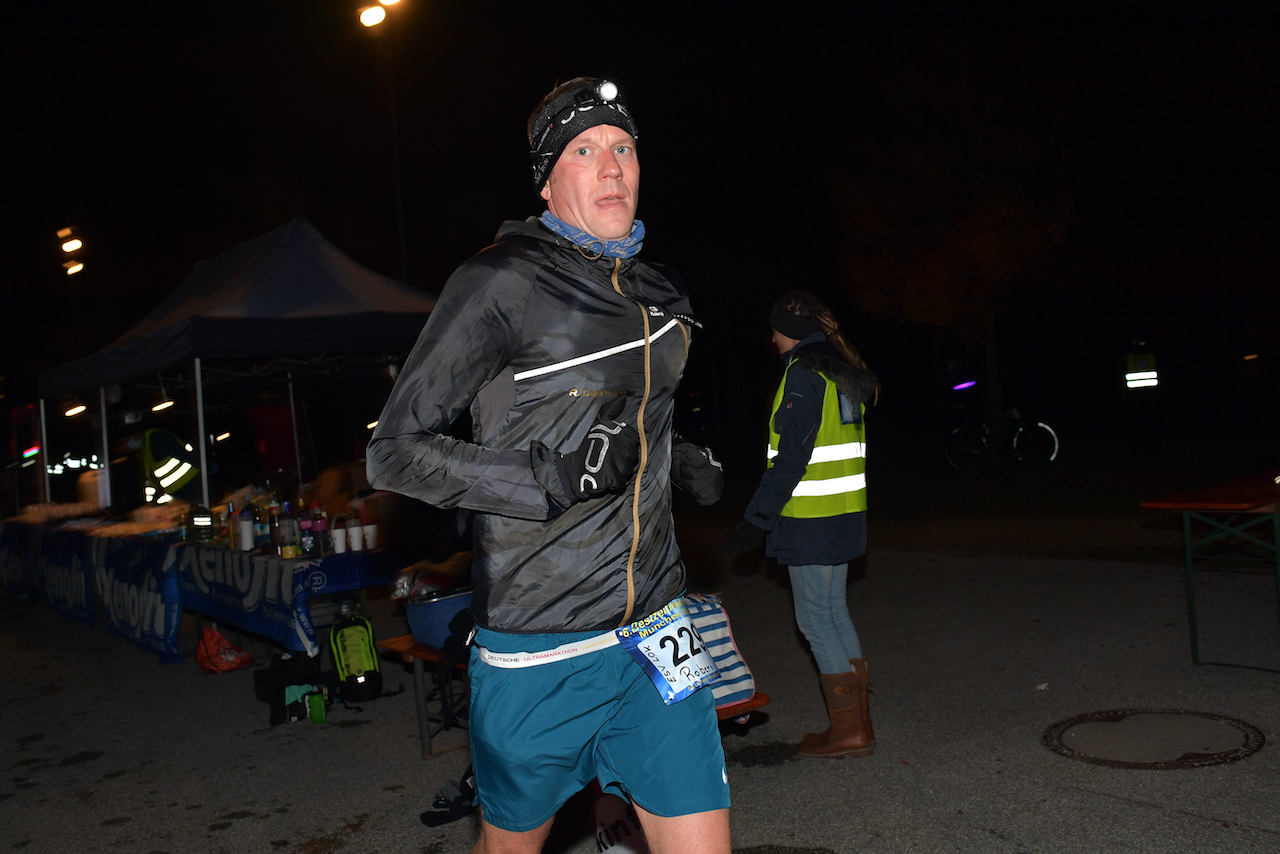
<point>170,139</point>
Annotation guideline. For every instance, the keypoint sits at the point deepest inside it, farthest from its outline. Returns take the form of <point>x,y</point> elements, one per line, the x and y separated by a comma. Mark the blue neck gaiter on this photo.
<point>627,247</point>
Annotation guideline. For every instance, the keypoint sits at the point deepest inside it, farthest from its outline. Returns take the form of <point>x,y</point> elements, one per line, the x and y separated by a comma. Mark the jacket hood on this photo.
<point>821,356</point>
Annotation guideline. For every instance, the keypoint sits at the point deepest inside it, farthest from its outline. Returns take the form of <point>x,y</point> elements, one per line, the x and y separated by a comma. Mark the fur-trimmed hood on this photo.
<point>822,357</point>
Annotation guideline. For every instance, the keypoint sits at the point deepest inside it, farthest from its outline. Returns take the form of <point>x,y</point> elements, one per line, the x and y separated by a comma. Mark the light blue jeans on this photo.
<point>823,615</point>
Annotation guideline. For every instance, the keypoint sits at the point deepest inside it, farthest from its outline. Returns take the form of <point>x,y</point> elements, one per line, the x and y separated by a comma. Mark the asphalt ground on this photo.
<point>993,612</point>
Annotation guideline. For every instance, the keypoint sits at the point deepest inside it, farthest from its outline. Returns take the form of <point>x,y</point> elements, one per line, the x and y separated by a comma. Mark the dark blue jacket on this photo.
<point>795,542</point>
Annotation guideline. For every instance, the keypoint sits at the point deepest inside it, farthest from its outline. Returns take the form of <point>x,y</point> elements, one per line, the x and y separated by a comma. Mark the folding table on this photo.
<point>1242,512</point>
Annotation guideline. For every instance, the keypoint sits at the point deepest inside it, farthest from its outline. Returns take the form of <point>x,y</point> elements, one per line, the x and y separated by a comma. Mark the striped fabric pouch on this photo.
<point>736,682</point>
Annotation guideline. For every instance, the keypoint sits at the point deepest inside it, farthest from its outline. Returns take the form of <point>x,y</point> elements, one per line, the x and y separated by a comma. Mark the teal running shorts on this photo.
<point>541,734</point>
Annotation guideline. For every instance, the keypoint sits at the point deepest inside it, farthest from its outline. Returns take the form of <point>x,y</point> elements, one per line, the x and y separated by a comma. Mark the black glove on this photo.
<point>602,464</point>
<point>745,536</point>
<point>696,470</point>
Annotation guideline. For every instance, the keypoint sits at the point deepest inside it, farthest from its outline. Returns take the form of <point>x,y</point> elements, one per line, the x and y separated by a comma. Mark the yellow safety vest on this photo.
<point>834,481</point>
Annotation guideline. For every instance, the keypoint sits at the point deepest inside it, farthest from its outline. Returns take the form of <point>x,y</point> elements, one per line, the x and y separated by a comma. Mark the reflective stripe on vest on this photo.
<point>834,480</point>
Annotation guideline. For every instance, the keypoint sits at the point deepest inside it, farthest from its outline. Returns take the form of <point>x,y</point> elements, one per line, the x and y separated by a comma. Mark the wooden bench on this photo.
<point>1232,511</point>
<point>739,712</point>
<point>452,707</point>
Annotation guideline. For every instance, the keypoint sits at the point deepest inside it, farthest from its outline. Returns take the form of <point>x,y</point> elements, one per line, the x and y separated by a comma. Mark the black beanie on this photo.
<point>792,325</point>
<point>592,102</point>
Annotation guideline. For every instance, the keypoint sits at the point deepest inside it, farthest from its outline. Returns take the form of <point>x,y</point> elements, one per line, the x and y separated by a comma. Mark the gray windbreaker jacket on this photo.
<point>534,338</point>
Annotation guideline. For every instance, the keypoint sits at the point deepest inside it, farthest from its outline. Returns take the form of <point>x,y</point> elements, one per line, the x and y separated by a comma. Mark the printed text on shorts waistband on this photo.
<point>563,652</point>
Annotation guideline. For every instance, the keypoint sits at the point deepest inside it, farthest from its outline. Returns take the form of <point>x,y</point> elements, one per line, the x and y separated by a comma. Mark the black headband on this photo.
<point>792,325</point>
<point>595,102</point>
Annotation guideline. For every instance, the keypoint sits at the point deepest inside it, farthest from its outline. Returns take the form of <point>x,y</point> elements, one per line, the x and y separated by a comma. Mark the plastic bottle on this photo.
<point>275,533</point>
<point>228,521</point>
<point>244,531</point>
<point>261,528</point>
<point>306,533</point>
<point>320,527</point>
<point>288,532</point>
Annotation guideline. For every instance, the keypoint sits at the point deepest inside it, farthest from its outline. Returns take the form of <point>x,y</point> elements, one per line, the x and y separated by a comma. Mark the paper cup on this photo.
<point>339,540</point>
<point>370,536</point>
<point>356,535</point>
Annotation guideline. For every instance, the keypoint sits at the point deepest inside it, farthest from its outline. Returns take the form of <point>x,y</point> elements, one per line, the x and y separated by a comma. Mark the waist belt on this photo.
<point>561,653</point>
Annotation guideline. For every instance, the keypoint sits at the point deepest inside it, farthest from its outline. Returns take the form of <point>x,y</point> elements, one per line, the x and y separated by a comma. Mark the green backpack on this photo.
<point>355,659</point>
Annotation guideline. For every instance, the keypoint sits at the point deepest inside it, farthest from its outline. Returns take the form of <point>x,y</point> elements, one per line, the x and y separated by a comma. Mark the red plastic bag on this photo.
<point>216,654</point>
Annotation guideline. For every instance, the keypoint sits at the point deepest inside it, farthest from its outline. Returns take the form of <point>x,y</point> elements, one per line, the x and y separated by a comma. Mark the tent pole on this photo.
<point>204,453</point>
<point>293,419</point>
<point>17,467</point>
<point>44,453</point>
<point>106,448</point>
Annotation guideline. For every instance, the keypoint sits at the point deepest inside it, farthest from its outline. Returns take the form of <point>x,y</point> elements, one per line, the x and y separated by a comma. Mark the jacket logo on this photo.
<point>594,392</point>
<point>654,311</point>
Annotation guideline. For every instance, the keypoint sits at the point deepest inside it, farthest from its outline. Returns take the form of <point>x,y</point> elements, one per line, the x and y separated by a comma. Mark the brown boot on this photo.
<point>850,731</point>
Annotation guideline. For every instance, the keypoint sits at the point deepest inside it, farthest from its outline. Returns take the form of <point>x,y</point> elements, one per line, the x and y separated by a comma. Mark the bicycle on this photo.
<point>1032,444</point>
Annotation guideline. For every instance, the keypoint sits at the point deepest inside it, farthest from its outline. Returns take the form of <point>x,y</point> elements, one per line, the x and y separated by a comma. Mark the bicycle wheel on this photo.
<point>966,449</point>
<point>1035,444</point>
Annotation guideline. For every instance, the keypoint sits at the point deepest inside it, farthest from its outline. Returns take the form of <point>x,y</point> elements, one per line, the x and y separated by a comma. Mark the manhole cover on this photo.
<point>1154,739</point>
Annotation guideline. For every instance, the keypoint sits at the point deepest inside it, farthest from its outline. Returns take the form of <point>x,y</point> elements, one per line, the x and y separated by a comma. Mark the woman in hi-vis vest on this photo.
<point>811,504</point>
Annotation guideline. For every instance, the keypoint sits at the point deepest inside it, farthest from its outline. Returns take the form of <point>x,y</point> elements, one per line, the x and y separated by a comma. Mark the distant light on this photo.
<point>188,447</point>
<point>1250,358</point>
<point>64,232</point>
<point>388,2</point>
<point>75,410</point>
<point>371,16</point>
<point>371,425</point>
<point>164,404</point>
<point>964,385</point>
<point>73,267</point>
<point>28,463</point>
<point>72,245</point>
<point>1141,379</point>
<point>30,452</point>
<point>222,437</point>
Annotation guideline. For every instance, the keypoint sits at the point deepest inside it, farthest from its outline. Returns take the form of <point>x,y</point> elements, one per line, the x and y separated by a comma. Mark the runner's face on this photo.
<point>595,184</point>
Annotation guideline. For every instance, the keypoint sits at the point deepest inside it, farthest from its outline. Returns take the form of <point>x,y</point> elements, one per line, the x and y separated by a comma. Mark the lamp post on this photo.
<point>372,17</point>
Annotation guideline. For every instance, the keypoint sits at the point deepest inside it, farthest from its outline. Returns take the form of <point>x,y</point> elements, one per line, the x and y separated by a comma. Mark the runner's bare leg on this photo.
<point>697,833</point>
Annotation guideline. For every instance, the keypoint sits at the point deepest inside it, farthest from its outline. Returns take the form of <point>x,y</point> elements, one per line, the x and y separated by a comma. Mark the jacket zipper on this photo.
<point>644,452</point>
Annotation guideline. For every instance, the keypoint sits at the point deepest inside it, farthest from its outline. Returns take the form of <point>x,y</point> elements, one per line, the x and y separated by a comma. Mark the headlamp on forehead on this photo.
<point>593,102</point>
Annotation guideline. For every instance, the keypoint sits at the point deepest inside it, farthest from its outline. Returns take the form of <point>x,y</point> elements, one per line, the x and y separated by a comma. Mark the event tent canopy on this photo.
<point>288,293</point>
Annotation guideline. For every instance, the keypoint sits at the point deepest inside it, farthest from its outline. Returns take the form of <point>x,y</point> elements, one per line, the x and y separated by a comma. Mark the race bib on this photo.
<point>669,649</point>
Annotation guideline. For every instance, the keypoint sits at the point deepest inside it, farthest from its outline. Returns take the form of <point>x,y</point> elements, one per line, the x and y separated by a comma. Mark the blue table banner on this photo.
<point>137,584</point>
<point>15,557</point>
<point>62,570</point>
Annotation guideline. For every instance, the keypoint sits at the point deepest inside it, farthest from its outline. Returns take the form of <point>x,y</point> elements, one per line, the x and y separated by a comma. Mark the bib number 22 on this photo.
<point>667,646</point>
